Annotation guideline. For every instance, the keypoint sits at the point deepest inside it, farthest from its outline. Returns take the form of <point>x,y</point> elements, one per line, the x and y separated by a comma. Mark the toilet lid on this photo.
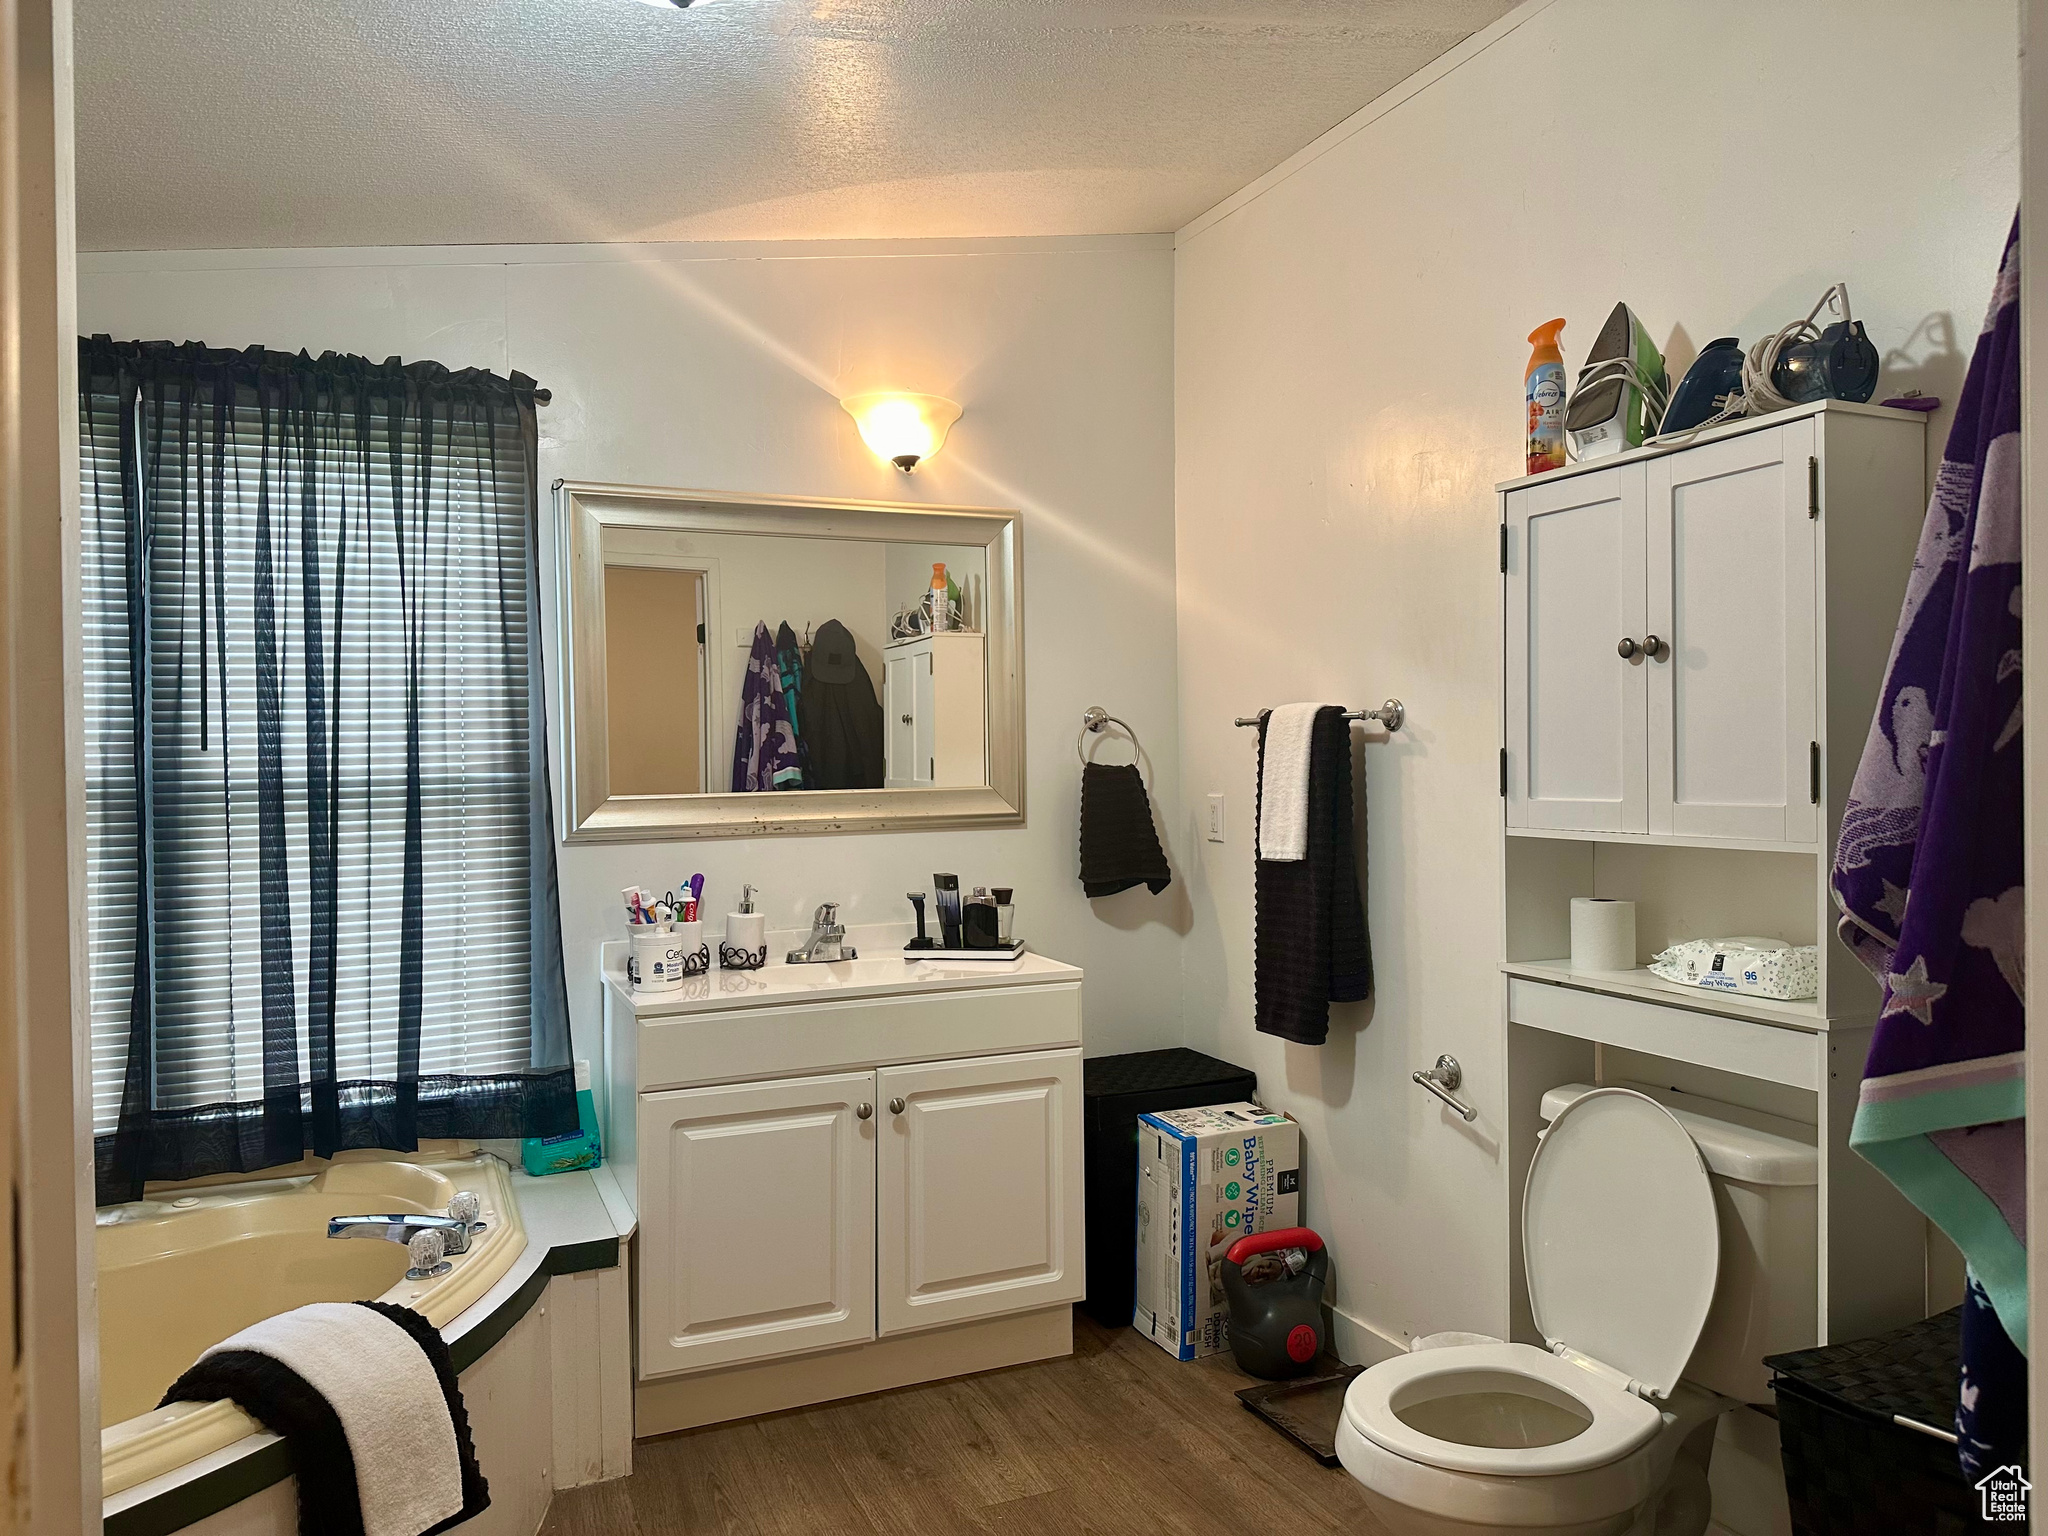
<point>1620,1238</point>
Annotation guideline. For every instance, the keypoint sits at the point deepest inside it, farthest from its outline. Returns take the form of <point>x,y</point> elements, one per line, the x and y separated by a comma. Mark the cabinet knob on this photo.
<point>1626,649</point>
<point>906,720</point>
<point>863,1111</point>
<point>895,1106</point>
<point>1654,648</point>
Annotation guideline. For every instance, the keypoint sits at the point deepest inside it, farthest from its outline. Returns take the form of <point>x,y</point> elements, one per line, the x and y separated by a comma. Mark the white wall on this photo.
<point>1348,361</point>
<point>720,367</point>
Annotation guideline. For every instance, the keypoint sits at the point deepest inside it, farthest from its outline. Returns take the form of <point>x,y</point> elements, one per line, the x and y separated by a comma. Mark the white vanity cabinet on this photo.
<point>1674,617</point>
<point>848,1177</point>
<point>935,732</point>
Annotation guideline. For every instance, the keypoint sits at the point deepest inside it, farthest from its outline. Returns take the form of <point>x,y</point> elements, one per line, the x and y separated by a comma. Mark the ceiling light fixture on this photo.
<point>904,429</point>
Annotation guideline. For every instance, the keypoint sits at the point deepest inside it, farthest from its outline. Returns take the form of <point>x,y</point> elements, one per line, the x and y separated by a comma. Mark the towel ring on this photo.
<point>1094,719</point>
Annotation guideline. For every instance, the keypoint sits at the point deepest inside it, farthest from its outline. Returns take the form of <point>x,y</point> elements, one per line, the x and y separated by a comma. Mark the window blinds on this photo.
<point>330,831</point>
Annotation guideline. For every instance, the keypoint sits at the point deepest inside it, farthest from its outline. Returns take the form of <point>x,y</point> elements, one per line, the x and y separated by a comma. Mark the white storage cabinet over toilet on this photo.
<point>848,1177</point>
<point>1694,637</point>
<point>935,694</point>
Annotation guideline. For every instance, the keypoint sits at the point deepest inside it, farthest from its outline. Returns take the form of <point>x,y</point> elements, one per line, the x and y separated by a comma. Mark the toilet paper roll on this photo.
<point>1603,934</point>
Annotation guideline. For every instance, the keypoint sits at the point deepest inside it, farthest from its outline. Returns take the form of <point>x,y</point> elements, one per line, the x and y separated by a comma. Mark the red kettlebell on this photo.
<point>1276,1317</point>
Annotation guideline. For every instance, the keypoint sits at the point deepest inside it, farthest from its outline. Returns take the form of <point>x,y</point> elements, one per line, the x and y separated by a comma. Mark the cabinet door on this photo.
<point>757,1221</point>
<point>899,740</point>
<point>923,767</point>
<point>980,1180</point>
<point>1731,591</point>
<point>1575,705</point>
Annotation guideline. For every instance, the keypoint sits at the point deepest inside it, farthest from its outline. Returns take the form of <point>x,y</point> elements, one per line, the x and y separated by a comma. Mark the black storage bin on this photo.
<point>1850,1469</point>
<point>1115,1090</point>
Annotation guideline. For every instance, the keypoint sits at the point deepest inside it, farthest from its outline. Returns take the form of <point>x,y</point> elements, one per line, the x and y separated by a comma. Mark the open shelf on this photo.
<point>1645,986</point>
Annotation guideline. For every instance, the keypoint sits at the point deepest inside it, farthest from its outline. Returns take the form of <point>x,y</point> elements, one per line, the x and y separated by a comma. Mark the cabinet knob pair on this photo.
<point>863,1111</point>
<point>1650,646</point>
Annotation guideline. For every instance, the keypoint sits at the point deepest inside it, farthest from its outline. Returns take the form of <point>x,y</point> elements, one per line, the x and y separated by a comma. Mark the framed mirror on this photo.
<point>734,664</point>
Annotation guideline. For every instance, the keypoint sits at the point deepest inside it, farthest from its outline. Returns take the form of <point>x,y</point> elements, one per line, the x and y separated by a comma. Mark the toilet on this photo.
<point>1670,1243</point>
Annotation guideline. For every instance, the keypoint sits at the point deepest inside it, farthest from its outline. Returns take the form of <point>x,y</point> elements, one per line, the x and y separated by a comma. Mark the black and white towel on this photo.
<point>365,1395</point>
<point>1310,947</point>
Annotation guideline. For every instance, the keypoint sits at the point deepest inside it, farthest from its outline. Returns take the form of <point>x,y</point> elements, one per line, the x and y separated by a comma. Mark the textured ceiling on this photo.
<point>222,124</point>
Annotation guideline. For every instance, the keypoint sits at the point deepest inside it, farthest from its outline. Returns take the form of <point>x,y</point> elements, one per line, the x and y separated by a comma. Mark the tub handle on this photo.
<point>468,1208</point>
<point>427,1250</point>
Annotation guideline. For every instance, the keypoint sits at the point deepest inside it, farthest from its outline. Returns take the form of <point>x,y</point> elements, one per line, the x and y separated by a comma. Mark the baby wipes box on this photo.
<point>1206,1177</point>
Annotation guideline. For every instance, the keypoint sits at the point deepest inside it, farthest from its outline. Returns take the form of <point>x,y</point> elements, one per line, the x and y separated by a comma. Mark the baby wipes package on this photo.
<point>1206,1177</point>
<point>1752,966</point>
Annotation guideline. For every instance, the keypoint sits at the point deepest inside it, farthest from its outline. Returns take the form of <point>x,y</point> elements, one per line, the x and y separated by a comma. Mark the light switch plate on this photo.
<point>1215,818</point>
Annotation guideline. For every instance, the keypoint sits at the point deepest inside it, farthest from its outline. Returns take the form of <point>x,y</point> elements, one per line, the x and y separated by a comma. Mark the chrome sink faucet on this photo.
<point>827,941</point>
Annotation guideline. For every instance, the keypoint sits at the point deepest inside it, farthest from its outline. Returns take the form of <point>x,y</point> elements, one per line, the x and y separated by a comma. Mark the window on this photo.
<point>321,872</point>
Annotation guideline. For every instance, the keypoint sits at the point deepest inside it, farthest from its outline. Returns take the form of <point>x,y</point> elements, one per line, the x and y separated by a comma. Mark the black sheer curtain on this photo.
<point>324,908</point>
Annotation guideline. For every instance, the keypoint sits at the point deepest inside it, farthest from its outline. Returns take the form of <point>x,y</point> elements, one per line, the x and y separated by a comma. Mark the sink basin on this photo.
<point>872,975</point>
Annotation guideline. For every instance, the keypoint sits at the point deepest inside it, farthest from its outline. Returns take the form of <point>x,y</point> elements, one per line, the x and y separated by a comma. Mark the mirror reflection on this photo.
<point>762,663</point>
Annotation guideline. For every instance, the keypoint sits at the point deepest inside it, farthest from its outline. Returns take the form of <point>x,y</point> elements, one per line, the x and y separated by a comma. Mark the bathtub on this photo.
<point>192,1264</point>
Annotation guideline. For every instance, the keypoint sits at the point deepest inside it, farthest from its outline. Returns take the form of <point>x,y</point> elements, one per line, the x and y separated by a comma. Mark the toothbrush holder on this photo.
<point>696,954</point>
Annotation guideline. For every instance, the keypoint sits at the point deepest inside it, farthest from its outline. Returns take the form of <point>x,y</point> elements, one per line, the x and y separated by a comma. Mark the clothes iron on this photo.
<point>1712,384</point>
<point>1621,391</point>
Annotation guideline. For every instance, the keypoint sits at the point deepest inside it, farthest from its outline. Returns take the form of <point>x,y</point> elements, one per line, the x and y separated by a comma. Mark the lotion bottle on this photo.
<point>747,929</point>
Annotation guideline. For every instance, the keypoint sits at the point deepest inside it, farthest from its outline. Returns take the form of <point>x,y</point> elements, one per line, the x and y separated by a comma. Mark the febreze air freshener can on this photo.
<point>1543,391</point>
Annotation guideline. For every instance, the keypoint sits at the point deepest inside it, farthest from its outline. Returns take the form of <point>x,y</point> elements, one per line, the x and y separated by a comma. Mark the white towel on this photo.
<point>1283,784</point>
<point>383,1389</point>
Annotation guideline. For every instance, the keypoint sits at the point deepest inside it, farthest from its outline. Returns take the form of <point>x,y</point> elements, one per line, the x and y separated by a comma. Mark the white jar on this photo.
<point>656,964</point>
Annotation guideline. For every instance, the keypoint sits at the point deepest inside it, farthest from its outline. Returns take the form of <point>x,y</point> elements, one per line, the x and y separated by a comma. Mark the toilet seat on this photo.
<point>1620,1422</point>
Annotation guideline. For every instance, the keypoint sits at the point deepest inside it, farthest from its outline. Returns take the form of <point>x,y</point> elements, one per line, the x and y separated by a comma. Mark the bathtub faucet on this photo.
<point>456,1228</point>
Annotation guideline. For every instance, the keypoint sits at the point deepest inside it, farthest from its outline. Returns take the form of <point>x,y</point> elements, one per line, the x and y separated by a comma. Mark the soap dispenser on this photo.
<point>746,936</point>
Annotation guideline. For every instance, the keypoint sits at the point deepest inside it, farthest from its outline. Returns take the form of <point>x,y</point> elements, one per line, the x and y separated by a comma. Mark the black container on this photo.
<point>1115,1090</point>
<point>1850,1468</point>
<point>978,926</point>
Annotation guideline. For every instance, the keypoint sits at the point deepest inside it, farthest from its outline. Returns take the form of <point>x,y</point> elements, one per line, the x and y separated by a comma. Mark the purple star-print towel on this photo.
<point>1928,871</point>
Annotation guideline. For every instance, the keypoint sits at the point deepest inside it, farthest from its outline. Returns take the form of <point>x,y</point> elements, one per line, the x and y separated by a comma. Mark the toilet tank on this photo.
<point>1766,1176</point>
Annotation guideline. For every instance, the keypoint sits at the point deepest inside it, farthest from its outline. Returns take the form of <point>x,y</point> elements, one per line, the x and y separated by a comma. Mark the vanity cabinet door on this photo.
<point>757,1221</point>
<point>980,1188</point>
<point>1731,590</point>
<point>1575,701</point>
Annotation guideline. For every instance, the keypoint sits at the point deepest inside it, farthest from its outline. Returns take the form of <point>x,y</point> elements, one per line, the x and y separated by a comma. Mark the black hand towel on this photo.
<point>287,1405</point>
<point>1119,845</point>
<point>1311,948</point>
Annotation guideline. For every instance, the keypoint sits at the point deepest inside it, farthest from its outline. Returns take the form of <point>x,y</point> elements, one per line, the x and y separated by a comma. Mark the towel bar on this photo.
<point>1094,718</point>
<point>1389,714</point>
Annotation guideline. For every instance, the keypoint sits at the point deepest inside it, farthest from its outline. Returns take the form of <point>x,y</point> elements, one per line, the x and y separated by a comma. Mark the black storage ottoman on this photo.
<point>1115,1090</point>
<point>1850,1468</point>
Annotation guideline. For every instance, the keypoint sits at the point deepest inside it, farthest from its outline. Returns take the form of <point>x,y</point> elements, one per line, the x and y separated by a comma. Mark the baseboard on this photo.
<point>674,1403</point>
<point>1357,1342</point>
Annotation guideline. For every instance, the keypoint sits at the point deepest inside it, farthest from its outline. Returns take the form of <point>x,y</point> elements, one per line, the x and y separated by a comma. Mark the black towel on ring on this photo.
<point>283,1402</point>
<point>1119,845</point>
<point>1310,947</point>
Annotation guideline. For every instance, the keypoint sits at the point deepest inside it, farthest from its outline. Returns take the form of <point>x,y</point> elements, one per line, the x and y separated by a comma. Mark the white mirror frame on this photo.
<point>592,814</point>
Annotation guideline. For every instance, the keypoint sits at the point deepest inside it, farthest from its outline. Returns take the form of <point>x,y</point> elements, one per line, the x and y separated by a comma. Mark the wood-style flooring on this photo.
<point>1118,1437</point>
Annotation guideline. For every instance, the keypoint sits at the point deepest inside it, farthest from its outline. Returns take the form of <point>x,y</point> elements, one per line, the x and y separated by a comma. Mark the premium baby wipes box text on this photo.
<point>1206,1177</point>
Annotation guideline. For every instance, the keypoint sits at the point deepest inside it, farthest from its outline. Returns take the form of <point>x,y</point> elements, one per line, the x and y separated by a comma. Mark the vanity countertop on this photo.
<point>879,972</point>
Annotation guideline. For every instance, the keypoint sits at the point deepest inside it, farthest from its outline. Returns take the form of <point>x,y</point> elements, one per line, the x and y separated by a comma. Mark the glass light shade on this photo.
<point>904,429</point>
